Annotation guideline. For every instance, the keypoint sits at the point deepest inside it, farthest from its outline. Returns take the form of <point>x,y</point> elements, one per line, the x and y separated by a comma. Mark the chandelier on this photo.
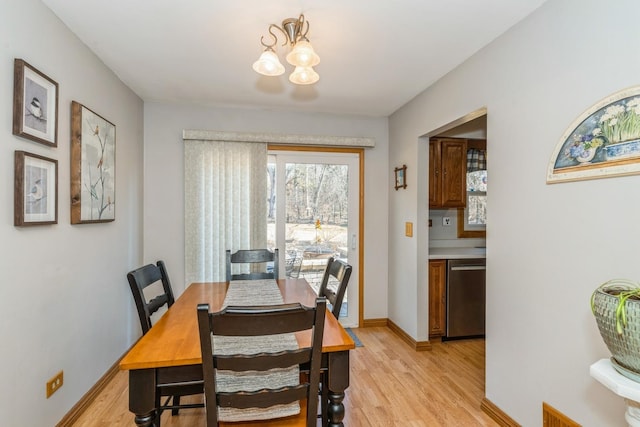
<point>302,55</point>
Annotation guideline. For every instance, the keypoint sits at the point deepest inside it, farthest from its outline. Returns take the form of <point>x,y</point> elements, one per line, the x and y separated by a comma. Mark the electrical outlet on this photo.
<point>446,221</point>
<point>55,383</point>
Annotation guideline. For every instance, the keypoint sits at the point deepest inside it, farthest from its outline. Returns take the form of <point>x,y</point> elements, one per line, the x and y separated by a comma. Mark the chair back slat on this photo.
<point>155,303</point>
<point>251,276</point>
<point>264,320</point>
<point>262,398</point>
<point>262,361</point>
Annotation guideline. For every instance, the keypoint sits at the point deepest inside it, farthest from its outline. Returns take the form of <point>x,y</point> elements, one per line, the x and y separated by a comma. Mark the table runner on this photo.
<point>255,292</point>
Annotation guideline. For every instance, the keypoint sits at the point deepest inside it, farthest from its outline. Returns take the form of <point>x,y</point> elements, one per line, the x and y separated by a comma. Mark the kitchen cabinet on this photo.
<point>447,173</point>
<point>437,297</point>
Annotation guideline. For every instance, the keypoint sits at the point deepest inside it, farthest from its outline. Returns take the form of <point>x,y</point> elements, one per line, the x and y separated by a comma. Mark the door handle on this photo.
<point>468,267</point>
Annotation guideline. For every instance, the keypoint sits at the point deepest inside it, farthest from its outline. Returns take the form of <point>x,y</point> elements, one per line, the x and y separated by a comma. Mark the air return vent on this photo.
<point>551,417</point>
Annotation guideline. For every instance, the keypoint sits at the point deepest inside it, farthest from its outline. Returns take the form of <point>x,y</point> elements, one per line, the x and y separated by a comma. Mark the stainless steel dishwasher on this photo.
<point>465,297</point>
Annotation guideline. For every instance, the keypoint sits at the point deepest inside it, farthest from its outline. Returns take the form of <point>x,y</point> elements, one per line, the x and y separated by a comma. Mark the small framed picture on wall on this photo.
<point>401,177</point>
<point>35,105</point>
<point>35,190</point>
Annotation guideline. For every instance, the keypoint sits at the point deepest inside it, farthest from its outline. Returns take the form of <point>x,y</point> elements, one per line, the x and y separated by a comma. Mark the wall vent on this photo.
<point>551,417</point>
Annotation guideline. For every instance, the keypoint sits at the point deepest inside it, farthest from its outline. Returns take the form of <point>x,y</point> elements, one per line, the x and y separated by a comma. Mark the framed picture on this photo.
<point>36,190</point>
<point>93,166</point>
<point>603,142</point>
<point>401,177</point>
<point>35,104</point>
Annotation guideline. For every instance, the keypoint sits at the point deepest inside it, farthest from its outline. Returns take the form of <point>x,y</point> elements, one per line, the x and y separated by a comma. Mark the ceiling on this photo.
<point>375,55</point>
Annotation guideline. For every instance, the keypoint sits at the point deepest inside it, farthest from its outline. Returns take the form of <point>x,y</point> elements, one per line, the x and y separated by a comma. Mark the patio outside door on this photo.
<point>313,214</point>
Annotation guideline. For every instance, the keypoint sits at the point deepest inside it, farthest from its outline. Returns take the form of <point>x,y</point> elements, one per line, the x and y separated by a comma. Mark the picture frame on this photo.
<point>35,104</point>
<point>93,166</point>
<point>604,141</point>
<point>401,177</point>
<point>35,189</point>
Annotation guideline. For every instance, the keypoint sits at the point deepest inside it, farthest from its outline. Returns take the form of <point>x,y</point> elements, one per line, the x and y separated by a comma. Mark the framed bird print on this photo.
<point>35,105</point>
<point>93,166</point>
<point>36,190</point>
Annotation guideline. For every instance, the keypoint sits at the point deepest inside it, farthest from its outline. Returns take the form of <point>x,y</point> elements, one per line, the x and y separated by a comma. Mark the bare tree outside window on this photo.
<point>477,197</point>
<point>316,214</point>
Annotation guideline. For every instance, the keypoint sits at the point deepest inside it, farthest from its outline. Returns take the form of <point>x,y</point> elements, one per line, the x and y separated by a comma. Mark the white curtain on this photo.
<point>225,204</point>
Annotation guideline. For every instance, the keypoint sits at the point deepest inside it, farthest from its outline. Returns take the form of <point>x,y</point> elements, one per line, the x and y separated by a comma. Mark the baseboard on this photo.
<point>373,323</point>
<point>78,409</point>
<point>416,345</point>
<point>497,414</point>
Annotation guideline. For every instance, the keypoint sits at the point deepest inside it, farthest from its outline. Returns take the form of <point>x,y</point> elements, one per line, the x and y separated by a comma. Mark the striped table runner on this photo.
<point>255,292</point>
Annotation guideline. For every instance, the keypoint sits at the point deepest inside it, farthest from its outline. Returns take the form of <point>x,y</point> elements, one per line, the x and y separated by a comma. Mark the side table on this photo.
<point>605,373</point>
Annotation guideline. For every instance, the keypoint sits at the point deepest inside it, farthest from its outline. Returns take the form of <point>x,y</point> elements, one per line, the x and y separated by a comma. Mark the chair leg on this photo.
<point>158,408</point>
<point>324,404</point>
<point>176,402</point>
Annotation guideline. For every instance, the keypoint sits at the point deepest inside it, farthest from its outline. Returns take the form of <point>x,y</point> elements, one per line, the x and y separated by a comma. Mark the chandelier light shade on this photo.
<point>301,55</point>
<point>304,76</point>
<point>268,64</point>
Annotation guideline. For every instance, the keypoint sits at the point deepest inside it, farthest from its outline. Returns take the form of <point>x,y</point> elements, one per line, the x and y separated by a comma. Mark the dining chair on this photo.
<point>294,263</point>
<point>252,258</point>
<point>140,279</point>
<point>251,396</point>
<point>289,262</point>
<point>337,272</point>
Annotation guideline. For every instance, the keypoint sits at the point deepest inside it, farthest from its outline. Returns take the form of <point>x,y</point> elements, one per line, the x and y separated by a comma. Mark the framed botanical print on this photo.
<point>35,190</point>
<point>604,141</point>
<point>93,166</point>
<point>35,105</point>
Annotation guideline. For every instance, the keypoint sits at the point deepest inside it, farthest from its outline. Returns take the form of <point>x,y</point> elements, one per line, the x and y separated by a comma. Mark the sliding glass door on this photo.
<point>313,214</point>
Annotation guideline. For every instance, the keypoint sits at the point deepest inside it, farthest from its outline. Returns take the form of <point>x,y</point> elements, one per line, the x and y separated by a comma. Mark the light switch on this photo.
<point>408,229</point>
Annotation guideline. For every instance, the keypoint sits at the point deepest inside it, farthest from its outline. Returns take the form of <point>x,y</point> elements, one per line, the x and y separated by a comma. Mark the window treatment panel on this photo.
<point>476,160</point>
<point>225,204</point>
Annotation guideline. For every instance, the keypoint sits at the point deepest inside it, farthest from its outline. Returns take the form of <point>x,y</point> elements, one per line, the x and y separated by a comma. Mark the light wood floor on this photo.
<point>392,385</point>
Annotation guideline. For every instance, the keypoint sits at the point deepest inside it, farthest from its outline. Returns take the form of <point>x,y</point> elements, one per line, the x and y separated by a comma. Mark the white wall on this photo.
<point>548,246</point>
<point>164,180</point>
<point>65,300</point>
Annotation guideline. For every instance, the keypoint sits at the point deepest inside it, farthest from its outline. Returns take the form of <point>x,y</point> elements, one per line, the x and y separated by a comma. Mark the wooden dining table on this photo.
<point>170,351</point>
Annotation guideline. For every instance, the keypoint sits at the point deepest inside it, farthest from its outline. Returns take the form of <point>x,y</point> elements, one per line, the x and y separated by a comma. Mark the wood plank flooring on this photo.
<point>392,385</point>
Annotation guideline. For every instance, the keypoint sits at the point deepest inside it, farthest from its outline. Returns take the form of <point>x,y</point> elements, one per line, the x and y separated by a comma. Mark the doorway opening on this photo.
<point>454,225</point>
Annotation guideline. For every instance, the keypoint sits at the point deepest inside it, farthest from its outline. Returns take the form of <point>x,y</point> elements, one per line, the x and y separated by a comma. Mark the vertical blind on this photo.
<point>225,204</point>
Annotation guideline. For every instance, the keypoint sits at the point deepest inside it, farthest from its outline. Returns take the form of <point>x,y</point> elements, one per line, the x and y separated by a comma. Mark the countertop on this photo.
<point>457,253</point>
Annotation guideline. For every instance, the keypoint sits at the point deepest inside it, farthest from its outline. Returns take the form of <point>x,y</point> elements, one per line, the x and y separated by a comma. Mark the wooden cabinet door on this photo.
<point>437,295</point>
<point>435,181</point>
<point>454,173</point>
